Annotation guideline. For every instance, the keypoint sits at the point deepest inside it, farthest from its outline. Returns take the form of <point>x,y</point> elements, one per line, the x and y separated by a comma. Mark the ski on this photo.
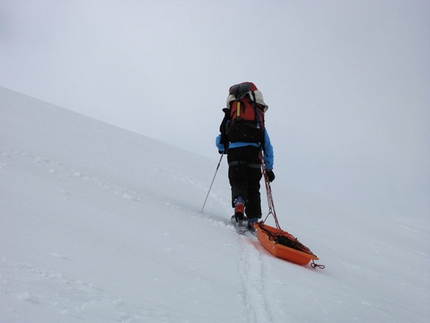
<point>242,227</point>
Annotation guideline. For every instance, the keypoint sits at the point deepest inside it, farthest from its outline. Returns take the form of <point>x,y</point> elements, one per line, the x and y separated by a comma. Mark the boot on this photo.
<point>239,208</point>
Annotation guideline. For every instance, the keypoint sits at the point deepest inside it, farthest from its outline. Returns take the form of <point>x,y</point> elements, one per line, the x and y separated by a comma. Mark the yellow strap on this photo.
<point>238,109</point>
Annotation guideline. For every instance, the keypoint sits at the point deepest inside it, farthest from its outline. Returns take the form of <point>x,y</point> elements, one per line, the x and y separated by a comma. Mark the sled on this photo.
<point>283,245</point>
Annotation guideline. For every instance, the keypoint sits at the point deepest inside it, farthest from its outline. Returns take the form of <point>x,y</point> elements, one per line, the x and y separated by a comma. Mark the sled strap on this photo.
<point>269,195</point>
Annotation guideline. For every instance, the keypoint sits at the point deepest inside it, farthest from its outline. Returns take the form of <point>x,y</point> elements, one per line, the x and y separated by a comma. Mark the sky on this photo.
<point>346,81</point>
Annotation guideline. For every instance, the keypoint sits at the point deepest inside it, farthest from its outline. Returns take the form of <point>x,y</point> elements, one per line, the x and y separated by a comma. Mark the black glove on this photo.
<point>270,175</point>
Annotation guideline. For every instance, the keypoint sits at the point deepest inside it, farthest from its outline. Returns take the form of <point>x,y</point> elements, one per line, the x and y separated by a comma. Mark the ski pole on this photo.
<point>210,187</point>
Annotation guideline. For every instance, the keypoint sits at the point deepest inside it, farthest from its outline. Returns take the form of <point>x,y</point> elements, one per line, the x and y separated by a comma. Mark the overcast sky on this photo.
<point>347,82</point>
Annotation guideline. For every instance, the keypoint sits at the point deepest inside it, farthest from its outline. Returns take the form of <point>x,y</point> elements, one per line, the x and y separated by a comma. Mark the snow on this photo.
<point>99,224</point>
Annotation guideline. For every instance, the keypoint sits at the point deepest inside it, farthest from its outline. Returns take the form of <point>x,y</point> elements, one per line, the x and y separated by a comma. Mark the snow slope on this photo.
<point>98,224</point>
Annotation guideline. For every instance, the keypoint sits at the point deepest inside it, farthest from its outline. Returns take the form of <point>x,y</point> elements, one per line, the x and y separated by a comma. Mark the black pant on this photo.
<point>244,174</point>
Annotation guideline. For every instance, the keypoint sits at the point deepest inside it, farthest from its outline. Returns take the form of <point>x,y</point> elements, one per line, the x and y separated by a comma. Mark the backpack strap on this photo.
<point>224,128</point>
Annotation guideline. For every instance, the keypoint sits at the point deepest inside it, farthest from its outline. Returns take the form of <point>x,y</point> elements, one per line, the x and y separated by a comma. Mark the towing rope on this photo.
<point>269,196</point>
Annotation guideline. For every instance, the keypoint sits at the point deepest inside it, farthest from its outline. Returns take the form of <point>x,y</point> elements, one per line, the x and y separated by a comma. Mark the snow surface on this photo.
<point>99,224</point>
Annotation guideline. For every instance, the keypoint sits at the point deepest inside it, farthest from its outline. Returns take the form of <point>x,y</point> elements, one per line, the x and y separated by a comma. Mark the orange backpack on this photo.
<point>244,116</point>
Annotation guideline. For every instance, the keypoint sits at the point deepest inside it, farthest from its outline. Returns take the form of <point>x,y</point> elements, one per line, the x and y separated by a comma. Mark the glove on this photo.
<point>270,175</point>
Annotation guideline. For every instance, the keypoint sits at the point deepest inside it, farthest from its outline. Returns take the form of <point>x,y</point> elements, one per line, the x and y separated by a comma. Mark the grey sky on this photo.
<point>347,82</point>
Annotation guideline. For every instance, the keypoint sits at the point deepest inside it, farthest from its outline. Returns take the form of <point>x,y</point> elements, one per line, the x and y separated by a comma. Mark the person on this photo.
<point>244,173</point>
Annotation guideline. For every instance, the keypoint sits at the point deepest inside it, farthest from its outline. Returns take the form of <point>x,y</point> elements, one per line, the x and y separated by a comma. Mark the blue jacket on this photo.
<point>268,148</point>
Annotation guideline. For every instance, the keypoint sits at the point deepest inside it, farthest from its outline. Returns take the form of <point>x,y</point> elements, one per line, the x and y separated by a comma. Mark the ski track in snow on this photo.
<point>251,272</point>
<point>251,268</point>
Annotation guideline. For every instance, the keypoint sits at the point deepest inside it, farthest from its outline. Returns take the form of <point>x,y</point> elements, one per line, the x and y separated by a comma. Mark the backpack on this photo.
<point>244,116</point>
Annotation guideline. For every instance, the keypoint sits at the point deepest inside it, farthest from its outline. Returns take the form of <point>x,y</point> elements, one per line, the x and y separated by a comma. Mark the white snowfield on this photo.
<point>98,225</point>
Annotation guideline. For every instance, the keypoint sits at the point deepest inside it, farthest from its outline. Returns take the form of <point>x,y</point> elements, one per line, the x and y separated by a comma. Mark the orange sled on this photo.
<point>284,245</point>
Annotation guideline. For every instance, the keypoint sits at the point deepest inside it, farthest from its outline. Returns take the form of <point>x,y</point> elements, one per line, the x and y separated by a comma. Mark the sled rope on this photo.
<point>270,203</point>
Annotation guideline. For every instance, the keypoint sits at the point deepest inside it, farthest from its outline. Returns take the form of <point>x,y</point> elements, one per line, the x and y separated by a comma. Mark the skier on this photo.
<point>243,157</point>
